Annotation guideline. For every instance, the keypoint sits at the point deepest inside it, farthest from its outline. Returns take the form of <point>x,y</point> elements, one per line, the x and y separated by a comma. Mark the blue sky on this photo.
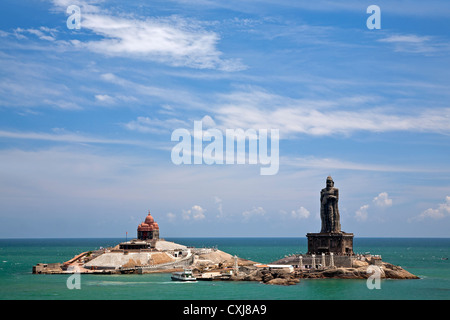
<point>87,116</point>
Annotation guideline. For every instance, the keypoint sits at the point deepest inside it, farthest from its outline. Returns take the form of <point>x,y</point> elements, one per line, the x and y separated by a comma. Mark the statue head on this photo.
<point>330,182</point>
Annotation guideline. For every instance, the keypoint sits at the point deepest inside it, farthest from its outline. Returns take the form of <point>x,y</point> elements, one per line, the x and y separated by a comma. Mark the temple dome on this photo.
<point>149,219</point>
<point>144,227</point>
<point>149,229</point>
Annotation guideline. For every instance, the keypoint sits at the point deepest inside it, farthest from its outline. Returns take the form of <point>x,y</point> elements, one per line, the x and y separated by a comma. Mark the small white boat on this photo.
<point>185,275</point>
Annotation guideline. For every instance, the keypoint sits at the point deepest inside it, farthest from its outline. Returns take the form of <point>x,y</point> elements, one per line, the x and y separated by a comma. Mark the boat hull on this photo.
<point>183,276</point>
<point>175,278</point>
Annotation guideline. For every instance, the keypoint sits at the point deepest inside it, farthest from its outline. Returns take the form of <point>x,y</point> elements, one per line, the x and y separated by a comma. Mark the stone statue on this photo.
<point>329,212</point>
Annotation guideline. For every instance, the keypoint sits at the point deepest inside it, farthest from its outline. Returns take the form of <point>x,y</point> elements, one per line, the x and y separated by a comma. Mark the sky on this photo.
<point>88,114</point>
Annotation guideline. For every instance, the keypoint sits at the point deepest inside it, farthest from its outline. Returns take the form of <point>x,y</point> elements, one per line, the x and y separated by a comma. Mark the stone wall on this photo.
<point>306,260</point>
<point>47,268</point>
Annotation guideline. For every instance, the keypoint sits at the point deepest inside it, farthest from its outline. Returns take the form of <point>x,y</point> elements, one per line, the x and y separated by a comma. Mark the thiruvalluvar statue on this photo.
<point>329,212</point>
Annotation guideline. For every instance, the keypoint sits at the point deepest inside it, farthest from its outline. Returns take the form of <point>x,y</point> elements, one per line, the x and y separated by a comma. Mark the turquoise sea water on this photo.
<point>424,257</point>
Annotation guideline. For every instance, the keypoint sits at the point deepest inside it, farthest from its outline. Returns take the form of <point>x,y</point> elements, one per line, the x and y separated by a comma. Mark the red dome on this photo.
<point>149,229</point>
<point>144,227</point>
<point>149,219</point>
<point>149,224</point>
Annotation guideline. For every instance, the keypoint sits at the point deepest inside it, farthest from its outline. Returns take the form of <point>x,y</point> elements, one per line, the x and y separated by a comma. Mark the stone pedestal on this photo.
<point>338,243</point>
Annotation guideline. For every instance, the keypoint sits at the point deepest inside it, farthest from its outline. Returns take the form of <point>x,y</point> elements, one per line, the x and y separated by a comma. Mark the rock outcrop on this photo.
<point>361,271</point>
<point>277,277</point>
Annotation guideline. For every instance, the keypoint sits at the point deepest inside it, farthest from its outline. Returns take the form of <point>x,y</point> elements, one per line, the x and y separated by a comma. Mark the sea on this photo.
<point>425,257</point>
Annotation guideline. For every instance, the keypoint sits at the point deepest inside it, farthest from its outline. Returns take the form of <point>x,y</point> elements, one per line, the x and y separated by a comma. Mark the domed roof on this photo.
<point>144,227</point>
<point>149,219</point>
<point>149,229</point>
<point>149,224</point>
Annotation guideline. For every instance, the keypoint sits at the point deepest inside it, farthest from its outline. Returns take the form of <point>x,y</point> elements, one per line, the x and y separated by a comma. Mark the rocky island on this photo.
<point>148,253</point>
<point>330,255</point>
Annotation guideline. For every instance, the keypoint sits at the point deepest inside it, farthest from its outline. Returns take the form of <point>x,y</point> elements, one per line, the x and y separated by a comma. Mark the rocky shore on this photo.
<point>386,271</point>
<point>214,264</point>
<point>276,277</point>
<point>269,274</point>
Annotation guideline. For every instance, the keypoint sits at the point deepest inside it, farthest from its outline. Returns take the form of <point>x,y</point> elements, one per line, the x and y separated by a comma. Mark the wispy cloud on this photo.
<point>323,117</point>
<point>255,211</point>
<point>339,164</point>
<point>173,40</point>
<point>442,211</point>
<point>362,214</point>
<point>381,201</point>
<point>194,213</point>
<point>63,137</point>
<point>43,33</point>
<point>154,125</point>
<point>416,44</point>
<point>300,213</point>
<point>218,202</point>
<point>140,91</point>
<point>431,8</point>
<point>28,85</point>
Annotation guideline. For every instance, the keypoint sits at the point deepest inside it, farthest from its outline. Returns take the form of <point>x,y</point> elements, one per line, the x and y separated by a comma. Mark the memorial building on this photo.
<point>147,235</point>
<point>149,229</point>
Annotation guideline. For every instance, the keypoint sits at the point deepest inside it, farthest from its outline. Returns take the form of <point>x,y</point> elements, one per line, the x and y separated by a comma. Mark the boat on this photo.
<point>185,275</point>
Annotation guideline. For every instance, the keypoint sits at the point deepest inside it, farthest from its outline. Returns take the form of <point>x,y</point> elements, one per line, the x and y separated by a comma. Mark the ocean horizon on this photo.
<point>425,257</point>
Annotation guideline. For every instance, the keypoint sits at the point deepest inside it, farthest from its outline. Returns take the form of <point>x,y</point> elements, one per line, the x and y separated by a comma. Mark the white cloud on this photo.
<point>171,217</point>
<point>218,201</point>
<point>361,213</point>
<point>172,40</point>
<point>43,33</point>
<point>175,95</point>
<point>260,109</point>
<point>85,6</point>
<point>442,211</point>
<point>415,44</point>
<point>333,163</point>
<point>255,211</point>
<point>104,98</point>
<point>382,200</point>
<point>300,213</point>
<point>63,137</point>
<point>153,125</point>
<point>196,213</point>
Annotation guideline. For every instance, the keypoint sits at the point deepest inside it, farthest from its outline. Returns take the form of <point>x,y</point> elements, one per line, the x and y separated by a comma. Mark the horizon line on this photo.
<point>226,237</point>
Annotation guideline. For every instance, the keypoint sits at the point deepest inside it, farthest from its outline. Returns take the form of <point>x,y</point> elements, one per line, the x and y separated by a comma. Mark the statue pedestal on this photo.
<point>334,242</point>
